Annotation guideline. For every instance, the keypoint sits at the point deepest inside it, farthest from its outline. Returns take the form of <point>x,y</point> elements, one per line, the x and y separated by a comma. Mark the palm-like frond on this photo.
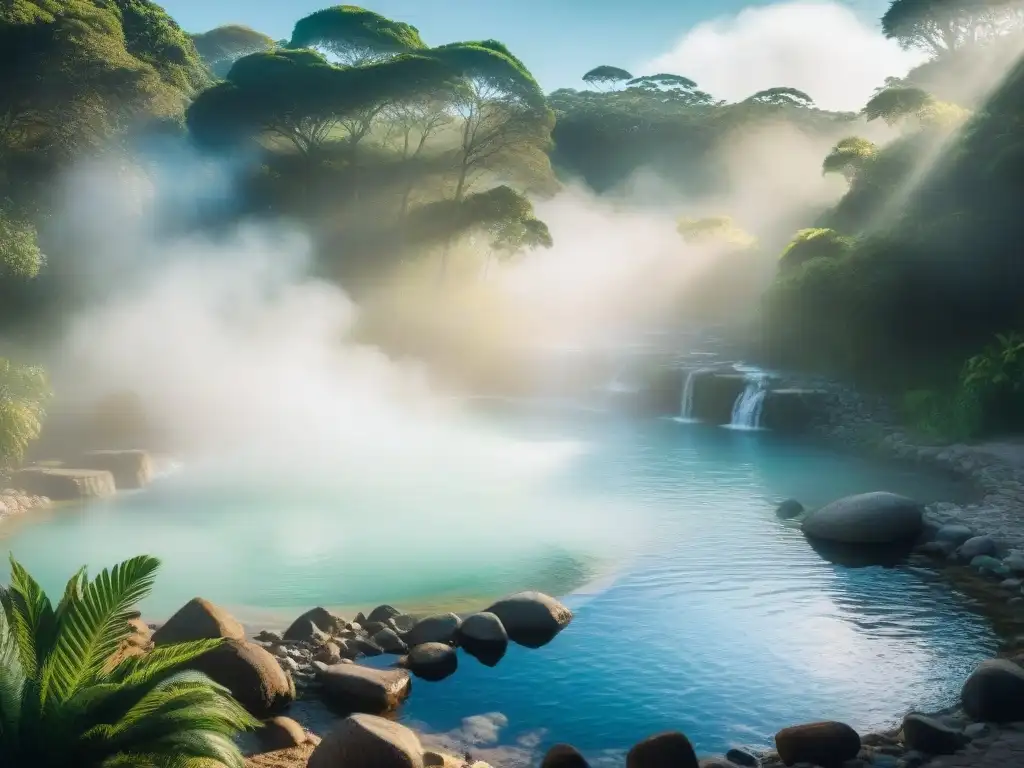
<point>63,701</point>
<point>30,617</point>
<point>93,625</point>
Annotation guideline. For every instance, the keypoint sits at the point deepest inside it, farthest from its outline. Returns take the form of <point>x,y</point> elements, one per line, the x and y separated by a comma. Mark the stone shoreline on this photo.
<point>14,502</point>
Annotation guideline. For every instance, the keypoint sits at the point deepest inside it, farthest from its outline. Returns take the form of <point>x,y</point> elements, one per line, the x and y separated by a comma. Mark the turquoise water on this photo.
<point>708,615</point>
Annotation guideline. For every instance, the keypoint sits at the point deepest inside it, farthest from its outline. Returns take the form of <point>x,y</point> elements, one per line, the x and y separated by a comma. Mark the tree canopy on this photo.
<point>894,104</point>
<point>944,26</point>
<point>222,46</point>
<point>782,97</point>
<point>850,156</point>
<point>606,76</point>
<point>355,35</point>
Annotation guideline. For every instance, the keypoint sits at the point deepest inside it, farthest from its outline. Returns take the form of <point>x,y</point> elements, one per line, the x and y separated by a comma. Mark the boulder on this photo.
<point>389,641</point>
<point>867,518</point>
<point>329,653</point>
<point>366,741</point>
<point>665,750</point>
<point>321,619</point>
<point>483,636</point>
<point>742,757</point>
<point>977,546</point>
<point>827,744</point>
<point>531,618</point>
<point>382,613</point>
<point>431,661</point>
<point>989,564</point>
<point>440,628</point>
<point>994,692</point>
<point>198,619</point>
<point>954,534</point>
<point>563,756</point>
<point>365,646</point>
<point>254,677</point>
<point>402,623</point>
<point>355,688</point>
<point>61,484</point>
<point>789,509</point>
<point>280,733</point>
<point>131,469</point>
<point>925,734</point>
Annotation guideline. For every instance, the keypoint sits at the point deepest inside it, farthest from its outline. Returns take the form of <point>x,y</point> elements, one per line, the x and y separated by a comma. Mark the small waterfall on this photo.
<point>746,411</point>
<point>686,400</point>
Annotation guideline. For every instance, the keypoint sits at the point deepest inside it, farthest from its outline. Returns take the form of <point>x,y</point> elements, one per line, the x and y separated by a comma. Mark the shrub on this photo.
<point>66,700</point>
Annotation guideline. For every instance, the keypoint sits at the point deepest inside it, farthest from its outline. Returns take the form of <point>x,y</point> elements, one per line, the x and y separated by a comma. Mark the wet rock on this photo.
<point>789,509</point>
<point>198,619</point>
<point>382,613</point>
<point>1011,583</point>
<point>928,735</point>
<point>563,756</point>
<point>977,731</point>
<point>440,628</point>
<point>354,688</point>
<point>366,741</point>
<point>531,619</point>
<point>990,565</point>
<point>313,625</point>
<point>994,692</point>
<point>867,518</point>
<point>431,661</point>
<point>483,636</point>
<point>742,757</point>
<point>281,733</point>
<point>269,637</point>
<point>389,641</point>
<point>371,628</point>
<point>1015,562</point>
<point>938,549</point>
<point>254,677</point>
<point>62,484</point>
<point>665,750</point>
<point>978,545</point>
<point>828,744</point>
<point>954,534</point>
<point>365,646</point>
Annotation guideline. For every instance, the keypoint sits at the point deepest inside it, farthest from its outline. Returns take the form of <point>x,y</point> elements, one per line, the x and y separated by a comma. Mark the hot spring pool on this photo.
<point>701,611</point>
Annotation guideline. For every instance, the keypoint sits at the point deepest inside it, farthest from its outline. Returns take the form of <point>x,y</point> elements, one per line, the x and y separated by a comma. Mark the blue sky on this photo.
<point>558,39</point>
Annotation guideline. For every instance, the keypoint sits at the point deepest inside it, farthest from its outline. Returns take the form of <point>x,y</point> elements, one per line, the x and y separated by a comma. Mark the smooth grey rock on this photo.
<point>827,743</point>
<point>867,518</point>
<point>431,661</point>
<point>994,692</point>
<point>382,613</point>
<point>954,534</point>
<point>483,627</point>
<point>389,641</point>
<point>989,564</point>
<point>665,750</point>
<point>928,735</point>
<point>977,731</point>
<point>531,619</point>
<point>975,546</point>
<point>789,509</point>
<point>323,620</point>
<point>440,628</point>
<point>742,757</point>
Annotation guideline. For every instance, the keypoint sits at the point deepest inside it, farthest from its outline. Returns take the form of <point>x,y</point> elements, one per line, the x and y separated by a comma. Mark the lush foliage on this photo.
<point>69,697</point>
<point>222,46</point>
<point>23,395</point>
<point>929,273</point>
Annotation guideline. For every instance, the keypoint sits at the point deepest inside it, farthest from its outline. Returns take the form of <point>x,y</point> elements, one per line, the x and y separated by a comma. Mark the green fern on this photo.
<point>64,703</point>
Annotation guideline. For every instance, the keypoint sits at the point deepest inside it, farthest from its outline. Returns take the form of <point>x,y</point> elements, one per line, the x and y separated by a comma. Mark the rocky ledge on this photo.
<point>14,502</point>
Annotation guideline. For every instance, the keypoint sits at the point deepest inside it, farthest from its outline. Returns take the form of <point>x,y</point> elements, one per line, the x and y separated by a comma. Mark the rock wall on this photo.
<point>14,502</point>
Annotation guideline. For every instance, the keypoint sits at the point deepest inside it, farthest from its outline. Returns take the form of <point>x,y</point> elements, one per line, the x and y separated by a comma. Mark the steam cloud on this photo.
<point>822,48</point>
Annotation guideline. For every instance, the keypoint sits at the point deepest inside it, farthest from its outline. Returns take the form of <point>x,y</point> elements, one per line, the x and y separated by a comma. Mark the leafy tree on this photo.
<point>23,395</point>
<point>355,35</point>
<point>505,121</point>
<point>943,26</point>
<point>850,156</point>
<point>671,87</point>
<point>19,252</point>
<point>814,243</point>
<point>895,104</point>
<point>68,700</point>
<point>299,96</point>
<point>222,46</point>
<point>606,77</point>
<point>153,37</point>
<point>782,97</point>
